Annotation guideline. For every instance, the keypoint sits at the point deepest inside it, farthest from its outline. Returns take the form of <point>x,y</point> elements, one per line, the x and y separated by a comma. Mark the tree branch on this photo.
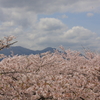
<point>7,46</point>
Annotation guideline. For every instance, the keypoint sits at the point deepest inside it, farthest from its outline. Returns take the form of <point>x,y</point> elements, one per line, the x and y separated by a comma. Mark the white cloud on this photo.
<point>8,24</point>
<point>90,14</point>
<point>49,24</point>
<point>51,32</point>
<point>64,16</point>
<point>79,35</point>
<point>69,38</point>
<point>47,32</point>
<point>74,38</point>
<point>20,18</point>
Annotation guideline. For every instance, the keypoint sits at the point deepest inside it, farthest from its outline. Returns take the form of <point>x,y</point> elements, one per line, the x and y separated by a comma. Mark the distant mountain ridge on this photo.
<point>24,51</point>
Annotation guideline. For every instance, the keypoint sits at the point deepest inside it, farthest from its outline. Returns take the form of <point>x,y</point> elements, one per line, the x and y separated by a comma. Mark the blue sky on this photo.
<point>38,24</point>
<point>90,22</point>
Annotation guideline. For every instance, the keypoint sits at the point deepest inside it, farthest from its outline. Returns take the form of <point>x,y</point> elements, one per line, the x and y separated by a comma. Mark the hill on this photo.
<point>24,51</point>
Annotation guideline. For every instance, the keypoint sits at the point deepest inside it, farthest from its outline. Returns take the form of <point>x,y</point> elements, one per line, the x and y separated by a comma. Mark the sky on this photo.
<point>37,24</point>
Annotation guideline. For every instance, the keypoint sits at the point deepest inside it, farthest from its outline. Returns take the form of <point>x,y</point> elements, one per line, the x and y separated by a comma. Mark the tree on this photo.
<point>5,43</point>
<point>50,76</point>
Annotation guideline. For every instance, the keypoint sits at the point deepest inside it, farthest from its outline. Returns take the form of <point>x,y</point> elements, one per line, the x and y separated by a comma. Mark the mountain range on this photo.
<point>24,51</point>
<point>18,50</point>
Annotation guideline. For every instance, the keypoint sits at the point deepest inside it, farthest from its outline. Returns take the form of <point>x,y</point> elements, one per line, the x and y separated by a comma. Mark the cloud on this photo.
<point>20,18</point>
<point>25,13</point>
<point>8,28</point>
<point>70,38</point>
<point>47,32</point>
<point>90,14</point>
<point>50,24</point>
<point>8,24</point>
<point>79,35</point>
<point>52,6</point>
<point>64,16</point>
<point>51,32</point>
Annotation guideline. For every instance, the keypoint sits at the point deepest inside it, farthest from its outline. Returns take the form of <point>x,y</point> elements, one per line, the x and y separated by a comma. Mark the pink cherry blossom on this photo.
<point>51,76</point>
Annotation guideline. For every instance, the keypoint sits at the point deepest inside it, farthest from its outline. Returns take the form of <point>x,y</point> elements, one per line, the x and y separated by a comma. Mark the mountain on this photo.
<point>18,50</point>
<point>24,51</point>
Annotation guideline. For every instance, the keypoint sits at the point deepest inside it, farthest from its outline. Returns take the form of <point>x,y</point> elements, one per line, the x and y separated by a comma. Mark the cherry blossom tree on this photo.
<point>51,76</point>
<point>5,42</point>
